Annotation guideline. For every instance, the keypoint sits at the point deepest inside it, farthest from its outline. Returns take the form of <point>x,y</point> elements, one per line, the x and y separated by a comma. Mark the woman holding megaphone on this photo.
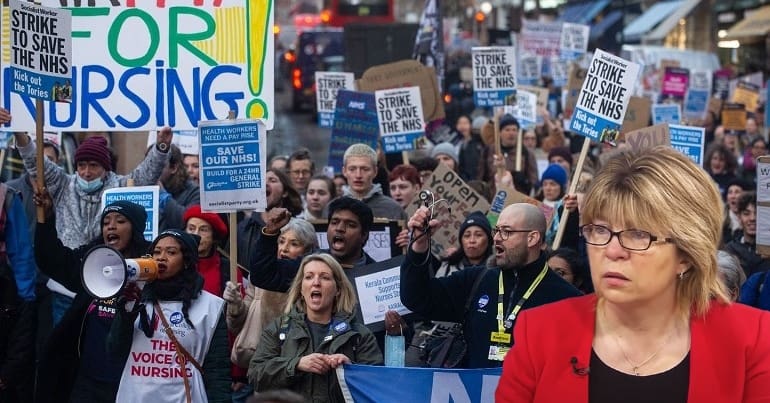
<point>74,365</point>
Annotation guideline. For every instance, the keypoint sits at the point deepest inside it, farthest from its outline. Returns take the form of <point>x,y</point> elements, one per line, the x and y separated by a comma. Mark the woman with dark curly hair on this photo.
<point>572,268</point>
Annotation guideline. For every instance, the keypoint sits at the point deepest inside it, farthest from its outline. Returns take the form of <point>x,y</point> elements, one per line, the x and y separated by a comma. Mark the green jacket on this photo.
<point>274,365</point>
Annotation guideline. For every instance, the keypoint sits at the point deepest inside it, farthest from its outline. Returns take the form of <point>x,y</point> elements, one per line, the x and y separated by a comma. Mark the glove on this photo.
<point>232,295</point>
<point>129,298</point>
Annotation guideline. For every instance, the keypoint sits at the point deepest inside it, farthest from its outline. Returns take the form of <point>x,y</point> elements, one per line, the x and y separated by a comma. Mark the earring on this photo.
<point>681,275</point>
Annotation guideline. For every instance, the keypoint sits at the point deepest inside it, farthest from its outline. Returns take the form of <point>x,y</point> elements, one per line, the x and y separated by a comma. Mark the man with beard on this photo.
<point>515,277</point>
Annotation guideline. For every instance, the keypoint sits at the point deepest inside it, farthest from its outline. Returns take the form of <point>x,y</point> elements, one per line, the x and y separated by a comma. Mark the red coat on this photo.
<point>729,354</point>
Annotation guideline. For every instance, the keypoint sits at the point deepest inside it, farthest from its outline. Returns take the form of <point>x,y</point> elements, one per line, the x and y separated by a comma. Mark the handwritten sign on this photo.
<point>232,160</point>
<point>355,121</point>
<point>574,40</point>
<point>604,97</point>
<point>494,75</point>
<point>637,115</point>
<point>399,113</point>
<point>648,137</point>
<point>145,196</point>
<point>689,140</point>
<point>41,52</point>
<point>327,85</point>
<point>666,113</point>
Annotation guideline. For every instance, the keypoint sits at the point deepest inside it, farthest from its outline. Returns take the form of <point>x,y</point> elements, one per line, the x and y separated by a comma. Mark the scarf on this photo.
<point>183,287</point>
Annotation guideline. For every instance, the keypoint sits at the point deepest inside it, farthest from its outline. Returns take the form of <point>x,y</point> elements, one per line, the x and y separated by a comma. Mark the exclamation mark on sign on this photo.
<point>258,25</point>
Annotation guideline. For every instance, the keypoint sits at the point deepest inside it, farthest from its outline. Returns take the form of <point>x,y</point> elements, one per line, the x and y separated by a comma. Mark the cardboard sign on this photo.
<point>399,113</point>
<point>378,288</point>
<point>381,244</point>
<point>746,94</point>
<point>494,75</point>
<point>666,113</point>
<point>604,97</point>
<point>232,165</point>
<point>697,98</point>
<point>507,196</point>
<point>689,140</point>
<point>763,205</point>
<point>734,116</point>
<point>327,85</point>
<point>574,40</point>
<point>675,82</point>
<point>461,198</point>
<point>540,38</point>
<point>637,115</point>
<point>577,76</point>
<point>145,196</point>
<point>406,73</point>
<point>41,52</point>
<point>355,121</point>
<point>648,137</point>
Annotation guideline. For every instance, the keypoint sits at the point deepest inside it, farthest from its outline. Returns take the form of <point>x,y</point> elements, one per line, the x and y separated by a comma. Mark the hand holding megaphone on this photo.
<point>130,297</point>
<point>105,272</point>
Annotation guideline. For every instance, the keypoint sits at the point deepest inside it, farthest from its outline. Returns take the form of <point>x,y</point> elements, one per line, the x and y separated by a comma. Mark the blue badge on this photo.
<point>483,301</point>
<point>341,327</point>
<point>176,318</point>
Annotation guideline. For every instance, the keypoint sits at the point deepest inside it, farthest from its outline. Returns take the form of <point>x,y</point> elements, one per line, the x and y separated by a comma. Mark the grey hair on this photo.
<point>360,150</point>
<point>731,272</point>
<point>305,233</point>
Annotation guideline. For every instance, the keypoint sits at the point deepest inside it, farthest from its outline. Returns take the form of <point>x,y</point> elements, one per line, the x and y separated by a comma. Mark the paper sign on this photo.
<point>637,115</point>
<point>494,75</point>
<point>722,83</point>
<point>406,73</point>
<point>186,140</point>
<point>689,140</point>
<point>41,52</point>
<point>380,292</point>
<point>525,110</point>
<point>648,137</point>
<point>697,98</point>
<point>399,113</point>
<point>666,113</point>
<point>541,38</point>
<point>381,244</point>
<point>746,94</point>
<point>559,72</point>
<point>574,40</point>
<point>763,179</point>
<point>734,117</point>
<point>232,165</point>
<point>355,121</point>
<point>327,85</point>
<point>145,196</point>
<point>603,99</point>
<point>530,69</point>
<point>675,82</point>
<point>763,205</point>
<point>507,196</point>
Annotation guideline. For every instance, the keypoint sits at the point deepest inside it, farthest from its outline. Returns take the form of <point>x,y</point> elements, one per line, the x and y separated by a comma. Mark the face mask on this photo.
<point>395,351</point>
<point>90,186</point>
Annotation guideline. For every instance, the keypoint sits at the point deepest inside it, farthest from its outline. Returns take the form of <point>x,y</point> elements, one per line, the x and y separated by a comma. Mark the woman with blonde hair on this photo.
<point>317,333</point>
<point>660,326</point>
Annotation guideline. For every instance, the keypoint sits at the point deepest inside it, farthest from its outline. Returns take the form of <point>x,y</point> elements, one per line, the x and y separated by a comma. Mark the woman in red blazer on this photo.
<point>660,327</point>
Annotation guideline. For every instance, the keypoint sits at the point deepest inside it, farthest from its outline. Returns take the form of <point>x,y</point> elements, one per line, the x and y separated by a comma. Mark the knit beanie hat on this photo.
<point>507,120</point>
<point>445,148</point>
<point>478,123</point>
<point>478,219</point>
<point>561,152</point>
<point>135,214</point>
<point>188,241</point>
<point>94,149</point>
<point>556,173</point>
<point>216,222</point>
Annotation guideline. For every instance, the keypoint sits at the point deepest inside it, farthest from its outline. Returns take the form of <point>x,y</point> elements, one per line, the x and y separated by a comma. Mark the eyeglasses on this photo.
<point>506,233</point>
<point>303,172</point>
<point>631,239</point>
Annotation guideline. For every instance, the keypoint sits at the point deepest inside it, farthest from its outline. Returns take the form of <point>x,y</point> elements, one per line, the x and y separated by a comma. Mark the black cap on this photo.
<point>133,212</point>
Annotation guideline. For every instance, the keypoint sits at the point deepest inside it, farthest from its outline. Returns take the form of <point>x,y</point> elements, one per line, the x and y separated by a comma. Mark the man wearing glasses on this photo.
<point>300,168</point>
<point>515,277</point>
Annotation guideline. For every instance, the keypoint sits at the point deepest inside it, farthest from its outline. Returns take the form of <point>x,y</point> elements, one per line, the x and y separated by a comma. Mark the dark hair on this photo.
<point>580,271</point>
<point>425,164</point>
<point>482,188</point>
<point>747,199</point>
<point>329,184</point>
<point>355,206</point>
<point>292,201</point>
<point>407,172</point>
<point>731,163</point>
<point>178,180</point>
<point>340,176</point>
<point>301,155</point>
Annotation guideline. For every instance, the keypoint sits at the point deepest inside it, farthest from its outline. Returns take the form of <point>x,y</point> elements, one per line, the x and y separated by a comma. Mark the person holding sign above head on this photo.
<point>317,333</point>
<point>177,192</point>
<point>660,326</point>
<point>524,180</point>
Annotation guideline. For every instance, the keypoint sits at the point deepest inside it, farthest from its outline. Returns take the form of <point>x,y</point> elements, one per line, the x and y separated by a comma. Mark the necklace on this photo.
<point>635,367</point>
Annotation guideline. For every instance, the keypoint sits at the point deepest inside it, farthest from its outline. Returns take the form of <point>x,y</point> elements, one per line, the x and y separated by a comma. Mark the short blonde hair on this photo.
<point>346,300</point>
<point>662,188</point>
<point>360,150</point>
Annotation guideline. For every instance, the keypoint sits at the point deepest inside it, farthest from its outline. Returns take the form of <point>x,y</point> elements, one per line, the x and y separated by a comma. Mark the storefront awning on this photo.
<point>583,13</point>
<point>662,30</point>
<point>600,28</point>
<point>755,24</point>
<point>648,20</point>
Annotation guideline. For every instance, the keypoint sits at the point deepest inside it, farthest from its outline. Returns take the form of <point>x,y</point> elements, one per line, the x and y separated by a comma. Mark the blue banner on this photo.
<point>363,384</point>
<point>695,104</point>
<point>666,113</point>
<point>494,98</point>
<point>689,141</point>
<point>593,126</point>
<point>355,121</point>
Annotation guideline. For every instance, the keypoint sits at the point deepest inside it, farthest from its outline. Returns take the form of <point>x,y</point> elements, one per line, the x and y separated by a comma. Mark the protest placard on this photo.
<point>722,83</point>
<point>648,137</point>
<point>542,99</point>
<point>666,113</point>
<point>232,165</point>
<point>763,205</point>
<point>747,94</point>
<point>689,140</point>
<point>494,75</point>
<point>697,98</point>
<point>530,70</point>
<point>507,196</point>
<point>734,117</point>
<point>378,288</point>
<point>139,67</point>
<point>186,140</point>
<point>675,82</point>
<point>355,121</point>
<point>767,99</point>
<point>574,40</point>
<point>525,110</point>
<point>145,196</point>
<point>638,114</point>
<point>559,72</point>
<point>327,85</point>
<point>41,52</point>
<point>575,81</point>
<point>604,96</point>
<point>406,73</point>
<point>381,244</point>
<point>462,199</point>
<point>399,114</point>
<point>540,38</point>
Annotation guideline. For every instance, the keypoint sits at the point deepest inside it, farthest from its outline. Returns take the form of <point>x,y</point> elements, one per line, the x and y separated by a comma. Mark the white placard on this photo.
<point>399,113</point>
<point>574,40</point>
<point>377,246</point>
<point>378,293</point>
<point>494,74</point>
<point>763,225</point>
<point>327,84</point>
<point>525,110</point>
<point>763,182</point>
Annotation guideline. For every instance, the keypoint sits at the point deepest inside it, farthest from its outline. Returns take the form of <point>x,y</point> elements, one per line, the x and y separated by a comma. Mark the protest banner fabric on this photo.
<point>697,98</point>
<point>355,121</point>
<point>604,97</point>
<point>574,40</point>
<point>363,383</point>
<point>648,137</point>
<point>145,196</point>
<point>232,165</point>
<point>763,205</point>
<point>666,113</point>
<point>399,114</point>
<point>746,94</point>
<point>689,140</point>
<point>494,75</point>
<point>41,52</point>
<point>140,68</point>
<point>327,86</point>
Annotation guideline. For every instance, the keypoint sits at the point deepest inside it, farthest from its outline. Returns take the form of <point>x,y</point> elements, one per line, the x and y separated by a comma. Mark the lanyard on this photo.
<point>502,325</point>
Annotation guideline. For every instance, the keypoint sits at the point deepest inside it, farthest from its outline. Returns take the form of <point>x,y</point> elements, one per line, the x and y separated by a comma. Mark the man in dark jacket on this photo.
<point>515,277</point>
<point>745,247</point>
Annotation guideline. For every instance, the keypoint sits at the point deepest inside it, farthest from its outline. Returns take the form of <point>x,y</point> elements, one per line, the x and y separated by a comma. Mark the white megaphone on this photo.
<point>106,272</point>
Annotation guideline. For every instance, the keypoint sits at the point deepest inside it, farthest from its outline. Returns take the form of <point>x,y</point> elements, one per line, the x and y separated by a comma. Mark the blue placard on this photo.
<point>145,196</point>
<point>325,120</point>
<point>696,103</point>
<point>494,98</point>
<point>666,113</point>
<point>355,121</point>
<point>689,141</point>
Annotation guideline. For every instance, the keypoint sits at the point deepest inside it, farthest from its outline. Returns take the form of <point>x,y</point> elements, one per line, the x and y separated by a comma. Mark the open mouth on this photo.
<point>315,296</point>
<point>338,242</point>
<point>499,250</point>
<point>162,267</point>
<point>112,239</point>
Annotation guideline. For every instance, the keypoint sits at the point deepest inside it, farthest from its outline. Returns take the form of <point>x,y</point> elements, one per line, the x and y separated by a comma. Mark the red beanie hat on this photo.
<point>94,149</point>
<point>219,226</point>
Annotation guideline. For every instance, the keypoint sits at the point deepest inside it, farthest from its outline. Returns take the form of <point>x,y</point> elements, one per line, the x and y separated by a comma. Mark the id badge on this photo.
<point>500,338</point>
<point>497,352</point>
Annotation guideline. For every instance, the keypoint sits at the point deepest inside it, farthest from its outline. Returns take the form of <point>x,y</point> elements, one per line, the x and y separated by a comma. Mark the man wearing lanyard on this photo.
<point>515,277</point>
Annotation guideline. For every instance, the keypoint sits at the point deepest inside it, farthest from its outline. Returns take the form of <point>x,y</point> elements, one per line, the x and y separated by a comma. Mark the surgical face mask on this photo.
<point>90,186</point>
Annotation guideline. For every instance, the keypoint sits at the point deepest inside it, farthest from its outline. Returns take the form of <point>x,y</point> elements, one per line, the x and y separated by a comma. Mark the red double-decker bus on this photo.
<point>338,13</point>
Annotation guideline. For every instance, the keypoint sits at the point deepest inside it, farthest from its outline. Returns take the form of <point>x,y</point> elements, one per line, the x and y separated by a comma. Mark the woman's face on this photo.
<point>474,243</point>
<point>116,231</point>
<point>339,182</point>
<point>622,276</point>
<point>558,159</point>
<point>530,140</point>
<point>168,255</point>
<point>551,190</point>
<point>402,191</point>
<point>733,193</point>
<point>463,126</point>
<point>274,190</point>
<point>717,163</point>
<point>204,230</point>
<point>289,246</point>
<point>446,160</point>
<point>759,149</point>
<point>317,196</point>
<point>319,290</point>
<point>562,268</point>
